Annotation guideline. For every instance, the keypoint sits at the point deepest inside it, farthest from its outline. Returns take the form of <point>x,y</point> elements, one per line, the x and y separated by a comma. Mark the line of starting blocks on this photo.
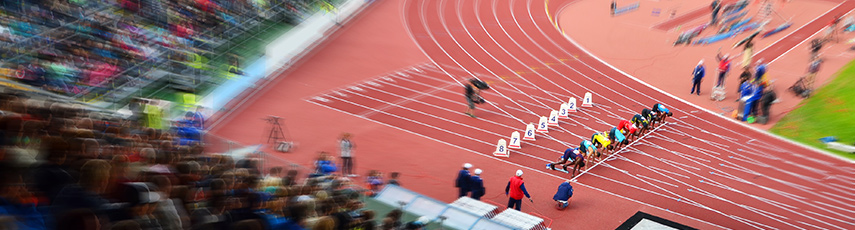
<point>503,146</point>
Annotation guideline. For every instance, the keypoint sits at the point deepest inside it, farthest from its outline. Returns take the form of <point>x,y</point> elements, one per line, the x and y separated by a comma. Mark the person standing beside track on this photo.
<point>515,191</point>
<point>464,181</point>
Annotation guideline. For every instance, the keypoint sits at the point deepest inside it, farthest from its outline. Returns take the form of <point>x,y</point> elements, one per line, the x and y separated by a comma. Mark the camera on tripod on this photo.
<point>277,135</point>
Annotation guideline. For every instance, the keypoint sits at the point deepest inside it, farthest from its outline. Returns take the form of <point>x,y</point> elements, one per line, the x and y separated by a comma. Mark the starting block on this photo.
<point>718,94</point>
<point>542,125</point>
<point>562,111</point>
<point>627,9</point>
<point>587,101</point>
<point>502,149</point>
<point>571,105</point>
<point>515,140</point>
<point>529,132</point>
<point>553,118</point>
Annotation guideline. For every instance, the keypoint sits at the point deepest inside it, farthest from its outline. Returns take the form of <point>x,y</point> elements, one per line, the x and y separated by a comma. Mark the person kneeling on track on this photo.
<point>628,129</point>
<point>661,112</point>
<point>563,195</point>
<point>616,137</point>
<point>571,157</point>
<point>640,123</point>
<point>601,143</point>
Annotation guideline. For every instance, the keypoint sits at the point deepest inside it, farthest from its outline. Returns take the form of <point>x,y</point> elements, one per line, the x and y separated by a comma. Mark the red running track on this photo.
<point>699,166</point>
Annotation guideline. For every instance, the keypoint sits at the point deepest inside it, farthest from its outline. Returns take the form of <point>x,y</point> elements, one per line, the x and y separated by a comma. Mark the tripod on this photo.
<point>276,132</point>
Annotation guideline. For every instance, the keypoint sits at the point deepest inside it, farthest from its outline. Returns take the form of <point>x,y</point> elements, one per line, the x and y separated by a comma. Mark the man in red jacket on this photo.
<point>517,190</point>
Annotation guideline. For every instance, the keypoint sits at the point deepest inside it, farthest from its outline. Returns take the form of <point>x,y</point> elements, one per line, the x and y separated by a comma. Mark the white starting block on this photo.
<point>840,147</point>
<point>571,105</point>
<point>718,94</point>
<point>553,118</point>
<point>529,132</point>
<point>542,125</point>
<point>515,140</point>
<point>562,111</point>
<point>587,101</point>
<point>502,149</point>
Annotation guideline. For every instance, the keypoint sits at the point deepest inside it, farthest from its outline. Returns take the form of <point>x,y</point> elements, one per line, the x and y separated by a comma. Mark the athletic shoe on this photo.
<point>549,166</point>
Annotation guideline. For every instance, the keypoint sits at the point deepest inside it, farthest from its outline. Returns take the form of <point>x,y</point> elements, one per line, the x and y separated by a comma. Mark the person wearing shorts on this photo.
<point>587,150</point>
<point>601,143</point>
<point>660,113</point>
<point>627,128</point>
<point>571,157</point>
<point>616,137</point>
<point>640,123</point>
<point>650,116</point>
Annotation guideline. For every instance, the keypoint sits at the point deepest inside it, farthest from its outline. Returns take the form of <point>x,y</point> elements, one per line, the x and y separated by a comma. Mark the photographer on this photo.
<point>473,94</point>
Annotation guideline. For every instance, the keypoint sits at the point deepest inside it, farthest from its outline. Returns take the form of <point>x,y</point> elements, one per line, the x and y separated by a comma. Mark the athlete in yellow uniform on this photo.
<point>601,143</point>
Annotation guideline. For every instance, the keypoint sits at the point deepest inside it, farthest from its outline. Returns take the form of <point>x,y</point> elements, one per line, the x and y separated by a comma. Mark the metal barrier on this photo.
<point>452,216</point>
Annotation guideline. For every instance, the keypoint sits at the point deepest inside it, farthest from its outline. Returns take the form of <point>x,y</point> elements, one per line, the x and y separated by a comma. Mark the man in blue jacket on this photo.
<point>698,75</point>
<point>565,191</point>
<point>478,189</point>
<point>464,181</point>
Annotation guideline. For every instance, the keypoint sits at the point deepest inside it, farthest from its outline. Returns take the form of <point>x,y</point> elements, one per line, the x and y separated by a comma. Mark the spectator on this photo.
<point>478,189</point>
<point>515,191</point>
<point>368,222</point>
<point>464,180</point>
<point>697,77</point>
<point>393,219</point>
<point>86,194</point>
<point>393,179</point>
<point>375,181</point>
<point>16,200</point>
<point>346,147</point>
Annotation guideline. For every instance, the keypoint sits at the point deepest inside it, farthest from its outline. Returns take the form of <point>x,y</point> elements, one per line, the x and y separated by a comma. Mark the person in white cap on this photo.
<point>515,191</point>
<point>697,77</point>
<point>464,180</point>
<point>478,189</point>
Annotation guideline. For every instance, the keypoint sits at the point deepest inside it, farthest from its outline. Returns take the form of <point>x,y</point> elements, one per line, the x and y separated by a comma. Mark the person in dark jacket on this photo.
<point>478,189</point>
<point>697,77</point>
<point>562,196</point>
<point>464,180</point>
<point>715,6</point>
<point>515,191</point>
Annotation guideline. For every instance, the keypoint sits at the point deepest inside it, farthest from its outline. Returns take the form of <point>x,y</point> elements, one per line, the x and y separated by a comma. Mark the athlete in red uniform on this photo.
<point>628,129</point>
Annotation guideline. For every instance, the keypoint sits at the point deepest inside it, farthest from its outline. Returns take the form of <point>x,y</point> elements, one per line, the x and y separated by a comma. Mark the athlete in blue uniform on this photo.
<point>616,137</point>
<point>571,156</point>
<point>660,113</point>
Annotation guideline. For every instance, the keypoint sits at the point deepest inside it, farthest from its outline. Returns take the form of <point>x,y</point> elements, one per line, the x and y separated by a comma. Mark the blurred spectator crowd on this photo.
<point>77,46</point>
<point>65,167</point>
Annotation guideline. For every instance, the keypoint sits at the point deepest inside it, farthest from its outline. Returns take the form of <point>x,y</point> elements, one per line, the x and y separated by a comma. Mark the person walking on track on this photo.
<point>464,181</point>
<point>478,189</point>
<point>346,147</point>
<point>515,191</point>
